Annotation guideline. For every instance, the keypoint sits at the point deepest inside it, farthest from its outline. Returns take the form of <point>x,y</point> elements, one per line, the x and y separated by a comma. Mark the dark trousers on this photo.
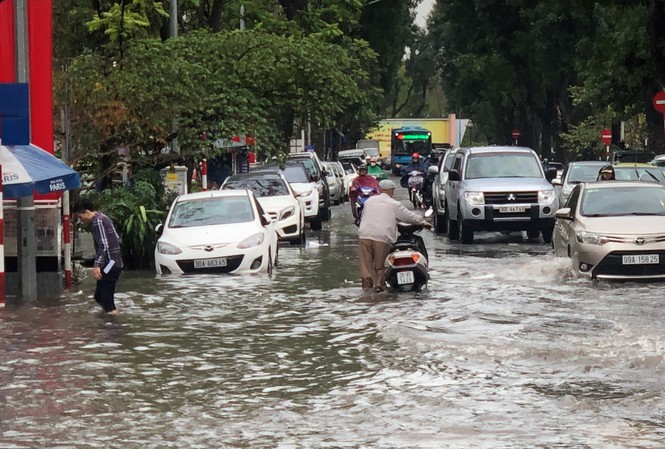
<point>105,289</point>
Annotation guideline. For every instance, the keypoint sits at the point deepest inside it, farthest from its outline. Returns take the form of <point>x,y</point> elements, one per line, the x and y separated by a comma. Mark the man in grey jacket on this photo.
<point>378,232</point>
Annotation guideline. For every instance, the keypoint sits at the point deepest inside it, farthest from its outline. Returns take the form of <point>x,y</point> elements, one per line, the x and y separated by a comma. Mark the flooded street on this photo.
<point>505,350</point>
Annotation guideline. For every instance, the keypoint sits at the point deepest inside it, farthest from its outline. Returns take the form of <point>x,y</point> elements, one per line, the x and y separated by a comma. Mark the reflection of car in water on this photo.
<point>218,231</point>
<point>613,230</point>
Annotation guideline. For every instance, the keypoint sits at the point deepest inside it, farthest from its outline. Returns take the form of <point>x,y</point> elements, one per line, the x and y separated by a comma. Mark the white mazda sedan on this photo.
<point>219,231</point>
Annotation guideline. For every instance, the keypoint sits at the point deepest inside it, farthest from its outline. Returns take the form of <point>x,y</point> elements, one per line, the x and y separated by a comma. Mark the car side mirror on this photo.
<point>453,175</point>
<point>433,170</point>
<point>565,214</point>
<point>312,178</point>
<point>159,229</point>
<point>550,174</point>
<point>266,219</point>
<point>557,182</point>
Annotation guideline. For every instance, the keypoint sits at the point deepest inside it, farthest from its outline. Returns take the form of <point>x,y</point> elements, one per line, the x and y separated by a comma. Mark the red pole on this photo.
<point>204,175</point>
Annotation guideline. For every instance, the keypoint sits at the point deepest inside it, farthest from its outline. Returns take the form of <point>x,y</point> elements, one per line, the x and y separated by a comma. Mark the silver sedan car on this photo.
<point>575,173</point>
<point>613,230</point>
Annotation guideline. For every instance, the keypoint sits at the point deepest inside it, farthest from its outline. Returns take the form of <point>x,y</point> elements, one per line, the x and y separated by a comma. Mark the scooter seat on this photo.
<point>407,228</point>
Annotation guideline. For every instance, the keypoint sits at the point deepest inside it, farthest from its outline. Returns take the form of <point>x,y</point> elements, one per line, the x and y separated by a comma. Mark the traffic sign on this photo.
<point>606,136</point>
<point>659,102</point>
<point>516,134</point>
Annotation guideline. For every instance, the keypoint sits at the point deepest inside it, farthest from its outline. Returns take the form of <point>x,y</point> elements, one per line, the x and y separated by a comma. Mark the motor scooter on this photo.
<point>363,195</point>
<point>407,264</point>
<point>415,183</point>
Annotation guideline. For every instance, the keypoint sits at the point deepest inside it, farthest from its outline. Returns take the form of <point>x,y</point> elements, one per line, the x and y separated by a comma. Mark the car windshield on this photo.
<point>295,173</point>
<point>652,174</point>
<point>503,165</point>
<point>583,173</point>
<point>309,165</point>
<point>372,152</point>
<point>616,201</point>
<point>348,164</point>
<point>263,186</point>
<point>211,211</point>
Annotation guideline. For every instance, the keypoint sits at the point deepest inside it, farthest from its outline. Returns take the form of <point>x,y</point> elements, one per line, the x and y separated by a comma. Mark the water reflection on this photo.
<point>504,350</point>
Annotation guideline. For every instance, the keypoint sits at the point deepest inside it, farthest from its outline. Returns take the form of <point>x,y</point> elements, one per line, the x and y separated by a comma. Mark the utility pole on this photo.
<point>242,16</point>
<point>26,241</point>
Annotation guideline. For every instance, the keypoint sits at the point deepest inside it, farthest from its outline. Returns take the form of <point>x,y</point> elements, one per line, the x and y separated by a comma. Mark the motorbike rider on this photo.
<point>362,180</point>
<point>373,169</point>
<point>378,233</point>
<point>420,164</point>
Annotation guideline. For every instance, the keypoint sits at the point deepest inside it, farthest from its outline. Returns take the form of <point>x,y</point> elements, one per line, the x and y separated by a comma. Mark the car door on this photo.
<point>452,186</point>
<point>564,229</point>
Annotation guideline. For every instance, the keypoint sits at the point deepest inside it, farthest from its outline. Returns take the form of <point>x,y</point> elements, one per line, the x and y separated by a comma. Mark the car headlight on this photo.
<point>167,248</point>
<point>546,196</point>
<point>306,192</point>
<point>590,238</point>
<point>252,241</point>
<point>286,213</point>
<point>474,198</point>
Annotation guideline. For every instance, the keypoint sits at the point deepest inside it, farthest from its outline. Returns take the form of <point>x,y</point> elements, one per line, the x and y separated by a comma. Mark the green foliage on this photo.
<point>135,212</point>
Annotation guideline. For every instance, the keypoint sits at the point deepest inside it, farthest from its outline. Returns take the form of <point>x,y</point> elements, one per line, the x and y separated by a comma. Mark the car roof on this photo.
<point>611,184</point>
<point>603,163</point>
<point>497,149</point>
<point>255,175</point>
<point>632,165</point>
<point>352,152</point>
<point>213,194</point>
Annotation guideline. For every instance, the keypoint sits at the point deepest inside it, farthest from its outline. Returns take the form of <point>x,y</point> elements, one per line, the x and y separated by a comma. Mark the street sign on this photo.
<point>659,102</point>
<point>606,136</point>
<point>516,134</point>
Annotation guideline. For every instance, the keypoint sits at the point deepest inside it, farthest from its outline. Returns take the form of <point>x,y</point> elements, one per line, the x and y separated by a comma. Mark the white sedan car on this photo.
<point>216,232</point>
<point>277,198</point>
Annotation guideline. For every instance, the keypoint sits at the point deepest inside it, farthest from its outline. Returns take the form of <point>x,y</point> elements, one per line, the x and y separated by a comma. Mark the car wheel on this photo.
<point>324,214</point>
<point>533,233</point>
<point>315,224</point>
<point>547,234</point>
<point>465,234</point>
<point>440,223</point>
<point>453,233</point>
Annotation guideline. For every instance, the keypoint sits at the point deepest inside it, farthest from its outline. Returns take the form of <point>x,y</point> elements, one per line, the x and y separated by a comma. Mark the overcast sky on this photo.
<point>423,10</point>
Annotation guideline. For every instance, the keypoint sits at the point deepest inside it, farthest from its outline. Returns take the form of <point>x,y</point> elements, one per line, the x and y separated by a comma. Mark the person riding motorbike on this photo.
<point>362,180</point>
<point>378,232</point>
<point>373,169</point>
<point>420,164</point>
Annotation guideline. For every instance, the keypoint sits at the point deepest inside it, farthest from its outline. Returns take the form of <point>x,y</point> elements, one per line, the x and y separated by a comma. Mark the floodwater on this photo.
<point>505,350</point>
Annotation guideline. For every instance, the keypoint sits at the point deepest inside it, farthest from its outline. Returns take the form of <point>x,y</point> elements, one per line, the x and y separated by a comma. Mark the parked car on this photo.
<point>356,153</point>
<point>499,189</point>
<point>315,170</point>
<point>277,198</point>
<point>307,190</point>
<point>575,173</point>
<point>343,178</point>
<point>444,164</point>
<point>613,230</point>
<point>335,184</point>
<point>216,232</point>
<point>374,152</point>
<point>659,160</point>
<point>350,173</point>
<point>632,156</point>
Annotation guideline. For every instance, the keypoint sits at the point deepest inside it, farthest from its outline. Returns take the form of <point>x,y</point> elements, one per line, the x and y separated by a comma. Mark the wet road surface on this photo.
<point>505,350</point>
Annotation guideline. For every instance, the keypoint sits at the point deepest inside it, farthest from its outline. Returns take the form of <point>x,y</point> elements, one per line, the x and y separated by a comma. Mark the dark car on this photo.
<point>643,157</point>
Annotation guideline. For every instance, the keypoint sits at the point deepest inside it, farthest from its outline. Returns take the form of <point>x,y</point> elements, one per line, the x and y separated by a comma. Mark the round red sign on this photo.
<point>659,102</point>
<point>606,136</point>
<point>516,133</point>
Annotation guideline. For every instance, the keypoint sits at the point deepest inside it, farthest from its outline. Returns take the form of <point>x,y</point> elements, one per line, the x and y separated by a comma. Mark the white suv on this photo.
<point>499,189</point>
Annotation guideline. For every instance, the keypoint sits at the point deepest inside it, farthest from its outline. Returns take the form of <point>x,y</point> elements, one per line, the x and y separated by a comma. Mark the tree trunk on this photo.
<point>215,20</point>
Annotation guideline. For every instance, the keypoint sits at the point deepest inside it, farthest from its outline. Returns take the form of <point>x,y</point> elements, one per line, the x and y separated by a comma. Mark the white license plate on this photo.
<point>210,263</point>
<point>405,277</point>
<point>642,259</point>
<point>512,209</point>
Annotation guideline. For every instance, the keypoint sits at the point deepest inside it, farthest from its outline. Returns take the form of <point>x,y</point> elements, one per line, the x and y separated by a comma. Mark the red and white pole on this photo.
<point>2,246</point>
<point>67,238</point>
<point>204,175</point>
